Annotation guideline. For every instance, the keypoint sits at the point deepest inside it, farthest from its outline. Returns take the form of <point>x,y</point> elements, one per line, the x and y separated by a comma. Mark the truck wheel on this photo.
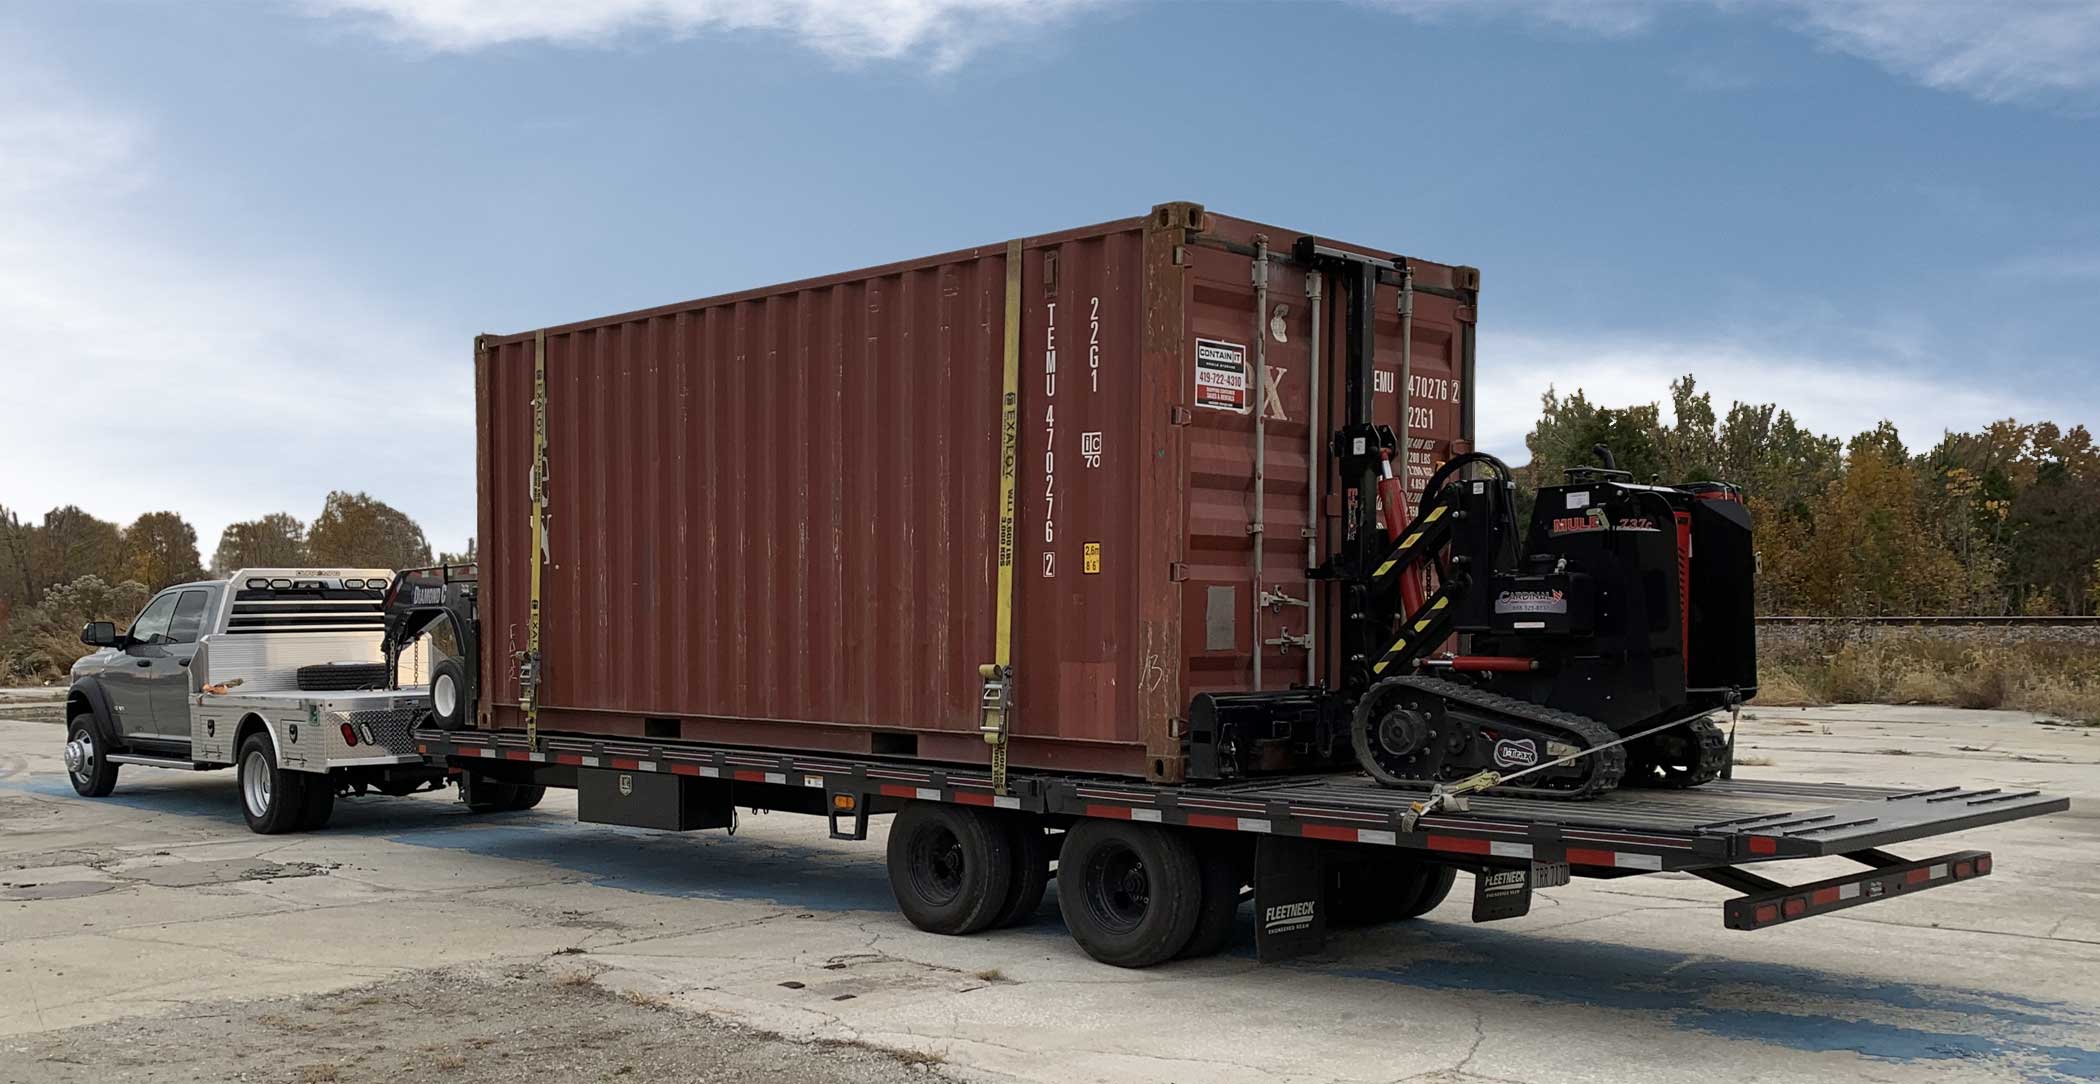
<point>1374,893</point>
<point>1130,893</point>
<point>273,800</point>
<point>92,774</point>
<point>1226,870</point>
<point>1031,876</point>
<point>319,804</point>
<point>527,796</point>
<point>950,867</point>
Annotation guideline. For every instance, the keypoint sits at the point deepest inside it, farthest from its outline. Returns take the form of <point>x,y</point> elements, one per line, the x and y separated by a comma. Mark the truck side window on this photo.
<point>151,627</point>
<point>189,617</point>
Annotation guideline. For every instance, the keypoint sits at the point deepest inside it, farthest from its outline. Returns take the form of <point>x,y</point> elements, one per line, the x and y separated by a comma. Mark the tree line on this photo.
<point>70,567</point>
<point>2005,520</point>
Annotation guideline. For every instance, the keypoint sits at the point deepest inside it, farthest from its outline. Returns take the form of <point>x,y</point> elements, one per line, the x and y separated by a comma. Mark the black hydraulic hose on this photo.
<point>1459,462</point>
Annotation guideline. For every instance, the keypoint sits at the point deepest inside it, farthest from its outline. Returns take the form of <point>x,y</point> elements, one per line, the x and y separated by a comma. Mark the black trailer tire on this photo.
<point>448,695</point>
<point>485,795</point>
<point>527,796</point>
<point>950,866</point>
<point>1130,893</point>
<point>94,776</point>
<point>273,800</point>
<point>1227,867</point>
<point>1375,893</point>
<point>1031,877</point>
<point>319,804</point>
<point>1435,888</point>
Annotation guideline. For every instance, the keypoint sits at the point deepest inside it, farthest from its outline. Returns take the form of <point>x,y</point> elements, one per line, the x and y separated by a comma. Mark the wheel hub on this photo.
<point>1402,732</point>
<point>80,754</point>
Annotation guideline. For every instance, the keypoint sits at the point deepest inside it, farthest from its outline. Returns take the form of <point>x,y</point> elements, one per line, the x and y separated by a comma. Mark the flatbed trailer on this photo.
<point>1286,837</point>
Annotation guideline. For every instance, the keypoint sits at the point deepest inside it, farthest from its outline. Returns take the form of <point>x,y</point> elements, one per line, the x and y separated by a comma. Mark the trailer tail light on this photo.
<point>1782,903</point>
<point>349,735</point>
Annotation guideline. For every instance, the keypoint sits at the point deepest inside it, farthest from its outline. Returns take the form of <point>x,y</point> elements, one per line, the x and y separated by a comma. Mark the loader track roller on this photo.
<point>1419,731</point>
<point>1683,756</point>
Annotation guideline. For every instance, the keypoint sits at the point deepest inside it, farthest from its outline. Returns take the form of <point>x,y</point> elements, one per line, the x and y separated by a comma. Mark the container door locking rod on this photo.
<point>995,703</point>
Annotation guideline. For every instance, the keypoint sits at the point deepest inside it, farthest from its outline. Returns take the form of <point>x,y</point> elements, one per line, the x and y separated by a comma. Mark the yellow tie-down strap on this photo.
<point>996,707</point>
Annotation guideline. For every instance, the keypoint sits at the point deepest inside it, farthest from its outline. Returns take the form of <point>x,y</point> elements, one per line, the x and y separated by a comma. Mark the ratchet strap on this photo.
<point>529,663</point>
<point>996,700</point>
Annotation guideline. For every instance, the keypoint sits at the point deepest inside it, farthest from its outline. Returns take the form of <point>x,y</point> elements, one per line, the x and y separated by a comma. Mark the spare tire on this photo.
<point>336,677</point>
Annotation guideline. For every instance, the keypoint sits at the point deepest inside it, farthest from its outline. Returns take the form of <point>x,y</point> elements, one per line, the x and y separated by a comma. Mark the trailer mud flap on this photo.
<point>1290,906</point>
<point>1505,892</point>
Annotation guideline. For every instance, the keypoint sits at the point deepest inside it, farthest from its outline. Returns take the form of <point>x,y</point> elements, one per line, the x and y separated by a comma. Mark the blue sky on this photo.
<point>244,247</point>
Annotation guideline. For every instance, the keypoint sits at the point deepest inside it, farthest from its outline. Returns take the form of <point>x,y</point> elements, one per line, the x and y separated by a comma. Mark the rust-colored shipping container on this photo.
<point>773,517</point>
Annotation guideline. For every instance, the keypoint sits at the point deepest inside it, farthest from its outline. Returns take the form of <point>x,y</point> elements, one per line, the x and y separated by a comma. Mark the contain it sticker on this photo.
<point>1221,375</point>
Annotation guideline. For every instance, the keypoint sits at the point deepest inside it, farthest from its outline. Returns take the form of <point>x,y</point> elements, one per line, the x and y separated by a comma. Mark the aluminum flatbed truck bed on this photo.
<point>1293,826</point>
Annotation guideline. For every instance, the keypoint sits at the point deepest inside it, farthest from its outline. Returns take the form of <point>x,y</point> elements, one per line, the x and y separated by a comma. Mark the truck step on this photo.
<point>157,762</point>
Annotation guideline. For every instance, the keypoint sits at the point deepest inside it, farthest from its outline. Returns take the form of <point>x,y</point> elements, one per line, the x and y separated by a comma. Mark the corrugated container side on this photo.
<point>773,513</point>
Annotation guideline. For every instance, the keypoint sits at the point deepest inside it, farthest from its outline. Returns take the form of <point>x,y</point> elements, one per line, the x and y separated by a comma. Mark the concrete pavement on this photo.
<point>158,897</point>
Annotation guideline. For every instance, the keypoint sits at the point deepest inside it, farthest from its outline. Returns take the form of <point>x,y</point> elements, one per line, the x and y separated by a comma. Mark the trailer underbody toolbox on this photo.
<point>1298,826</point>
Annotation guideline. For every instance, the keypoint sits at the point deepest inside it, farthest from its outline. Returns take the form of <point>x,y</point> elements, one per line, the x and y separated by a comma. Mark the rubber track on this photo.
<point>1608,767</point>
<point>1713,759</point>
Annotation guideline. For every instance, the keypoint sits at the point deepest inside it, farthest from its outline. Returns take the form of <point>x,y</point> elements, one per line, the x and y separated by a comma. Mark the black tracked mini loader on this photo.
<point>1585,650</point>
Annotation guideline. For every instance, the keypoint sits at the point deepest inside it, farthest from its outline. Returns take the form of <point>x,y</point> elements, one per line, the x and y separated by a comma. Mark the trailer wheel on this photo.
<point>527,796</point>
<point>950,867</point>
<point>92,773</point>
<point>485,795</point>
<point>272,799</point>
<point>1227,867</point>
<point>1031,858</point>
<point>1130,893</point>
<point>1375,893</point>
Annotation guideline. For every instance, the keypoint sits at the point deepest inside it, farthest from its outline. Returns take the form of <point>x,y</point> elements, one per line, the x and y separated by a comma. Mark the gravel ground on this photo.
<point>541,1024</point>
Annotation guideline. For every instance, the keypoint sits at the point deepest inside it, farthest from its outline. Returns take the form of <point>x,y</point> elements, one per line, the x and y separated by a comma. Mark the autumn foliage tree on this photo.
<point>357,531</point>
<point>277,540</point>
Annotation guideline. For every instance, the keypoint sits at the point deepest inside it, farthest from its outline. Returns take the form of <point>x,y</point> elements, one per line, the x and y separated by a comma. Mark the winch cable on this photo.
<point>1479,781</point>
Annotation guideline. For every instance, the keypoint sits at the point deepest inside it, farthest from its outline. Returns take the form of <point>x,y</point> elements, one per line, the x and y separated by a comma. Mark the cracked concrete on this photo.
<point>158,899</point>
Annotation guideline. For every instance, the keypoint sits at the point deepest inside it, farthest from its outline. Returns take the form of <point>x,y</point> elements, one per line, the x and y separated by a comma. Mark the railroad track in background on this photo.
<point>1942,621</point>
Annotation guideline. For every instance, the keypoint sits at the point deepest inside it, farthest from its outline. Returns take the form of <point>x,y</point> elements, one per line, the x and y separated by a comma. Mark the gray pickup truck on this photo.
<point>280,673</point>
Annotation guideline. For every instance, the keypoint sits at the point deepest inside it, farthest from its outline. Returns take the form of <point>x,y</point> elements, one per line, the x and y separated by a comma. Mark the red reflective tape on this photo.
<point>749,777</point>
<point>1584,856</point>
<point>685,769</point>
<point>1822,896</point>
<point>1329,831</point>
<point>1964,869</point>
<point>1212,820</point>
<point>423,749</point>
<point>1796,907</point>
<point>964,797</point>
<point>889,790</point>
<point>623,762</point>
<point>1916,876</point>
<point>1983,864</point>
<point>568,758</point>
<point>1459,844</point>
<point>1763,845</point>
<point>1113,812</point>
<point>516,754</point>
<point>1766,912</point>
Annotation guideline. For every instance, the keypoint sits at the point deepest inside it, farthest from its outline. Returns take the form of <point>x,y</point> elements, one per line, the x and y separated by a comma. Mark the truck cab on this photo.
<point>278,672</point>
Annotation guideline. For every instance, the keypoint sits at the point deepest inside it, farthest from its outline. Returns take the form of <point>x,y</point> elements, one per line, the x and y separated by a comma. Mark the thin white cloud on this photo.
<point>144,373</point>
<point>1835,396</point>
<point>945,32</point>
<point>2032,51</point>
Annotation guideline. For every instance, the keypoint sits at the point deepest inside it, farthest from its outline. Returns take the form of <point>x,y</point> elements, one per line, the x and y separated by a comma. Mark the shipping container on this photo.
<point>772,518</point>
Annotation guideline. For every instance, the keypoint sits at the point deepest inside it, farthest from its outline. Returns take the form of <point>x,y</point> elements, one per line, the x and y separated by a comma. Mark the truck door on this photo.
<point>129,680</point>
<point>169,686</point>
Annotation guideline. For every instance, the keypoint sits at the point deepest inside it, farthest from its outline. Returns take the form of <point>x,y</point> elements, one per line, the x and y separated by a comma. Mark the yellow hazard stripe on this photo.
<point>1411,540</point>
<point>1386,567</point>
<point>1436,513</point>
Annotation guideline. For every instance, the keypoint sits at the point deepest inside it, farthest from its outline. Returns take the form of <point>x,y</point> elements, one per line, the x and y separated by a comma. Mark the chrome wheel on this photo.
<point>255,783</point>
<point>80,755</point>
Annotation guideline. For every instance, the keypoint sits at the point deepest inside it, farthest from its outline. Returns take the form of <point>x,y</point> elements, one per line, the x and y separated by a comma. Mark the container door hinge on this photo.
<point>1179,415</point>
<point>1177,572</point>
<point>1287,641</point>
